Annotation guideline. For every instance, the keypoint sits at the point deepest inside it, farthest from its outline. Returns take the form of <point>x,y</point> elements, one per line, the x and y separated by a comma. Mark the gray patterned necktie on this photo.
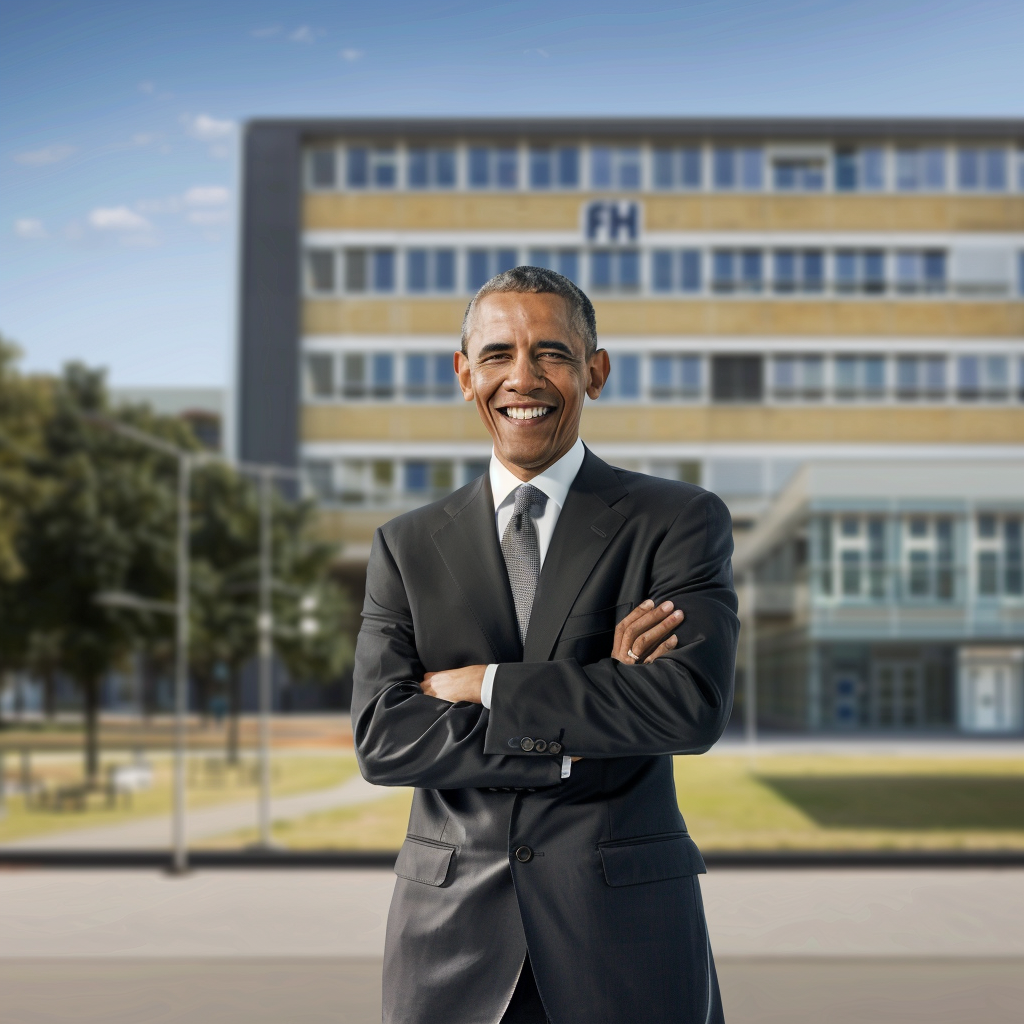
<point>521,549</point>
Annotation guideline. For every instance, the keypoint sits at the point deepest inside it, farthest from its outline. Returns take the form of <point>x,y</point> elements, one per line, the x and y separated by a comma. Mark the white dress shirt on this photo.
<point>555,482</point>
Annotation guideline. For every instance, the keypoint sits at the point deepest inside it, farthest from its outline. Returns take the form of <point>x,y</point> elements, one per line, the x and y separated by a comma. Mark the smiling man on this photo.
<point>534,649</point>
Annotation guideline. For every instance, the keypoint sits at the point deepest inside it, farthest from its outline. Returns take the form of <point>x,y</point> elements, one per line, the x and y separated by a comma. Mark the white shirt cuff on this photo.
<point>488,685</point>
<point>566,766</point>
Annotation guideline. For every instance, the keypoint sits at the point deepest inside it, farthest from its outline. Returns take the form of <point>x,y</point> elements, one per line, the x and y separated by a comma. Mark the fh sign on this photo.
<point>608,222</point>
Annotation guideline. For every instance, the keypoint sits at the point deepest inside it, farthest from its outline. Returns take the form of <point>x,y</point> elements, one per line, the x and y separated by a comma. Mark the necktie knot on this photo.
<point>527,497</point>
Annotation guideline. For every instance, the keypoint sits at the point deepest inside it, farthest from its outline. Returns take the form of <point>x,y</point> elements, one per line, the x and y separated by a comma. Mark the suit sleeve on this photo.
<point>681,703</point>
<point>402,736</point>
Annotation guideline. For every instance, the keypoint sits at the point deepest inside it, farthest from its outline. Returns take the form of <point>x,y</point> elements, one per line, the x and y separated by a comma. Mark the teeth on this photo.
<point>532,413</point>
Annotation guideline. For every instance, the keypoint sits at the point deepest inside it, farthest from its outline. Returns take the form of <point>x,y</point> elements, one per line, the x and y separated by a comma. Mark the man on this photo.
<point>512,666</point>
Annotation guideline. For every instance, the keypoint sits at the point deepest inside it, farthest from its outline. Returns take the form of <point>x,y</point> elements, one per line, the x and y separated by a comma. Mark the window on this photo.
<point>737,378</point>
<point>676,271</point>
<point>798,377</point>
<point>320,265</point>
<point>430,270</point>
<point>494,167</point>
<point>737,270</point>
<point>320,375</point>
<point>860,271</point>
<point>382,375</point>
<point>860,170</point>
<point>322,168</point>
<point>983,378</point>
<point>429,376</point>
<point>562,261</point>
<point>799,270</point>
<point>624,382</point>
<point>431,168</point>
<point>353,375</point>
<point>319,479</point>
<point>920,170</point>
<point>376,167</point>
<point>920,271</point>
<point>677,168</point>
<point>928,568</point>
<point>554,167</point>
<point>920,377</point>
<point>738,169</point>
<point>999,554</point>
<point>615,270</point>
<point>676,377</point>
<point>798,174</point>
<point>483,264</point>
<point>1018,159</point>
<point>615,167</point>
<point>859,377</point>
<point>981,170</point>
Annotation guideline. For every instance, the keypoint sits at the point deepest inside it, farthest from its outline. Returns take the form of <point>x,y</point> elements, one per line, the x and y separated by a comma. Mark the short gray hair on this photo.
<point>539,281</point>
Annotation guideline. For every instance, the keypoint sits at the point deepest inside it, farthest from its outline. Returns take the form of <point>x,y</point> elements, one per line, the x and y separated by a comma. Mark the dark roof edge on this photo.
<point>740,127</point>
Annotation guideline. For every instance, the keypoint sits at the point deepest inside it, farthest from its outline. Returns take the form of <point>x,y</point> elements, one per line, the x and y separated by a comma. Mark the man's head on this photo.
<point>529,357</point>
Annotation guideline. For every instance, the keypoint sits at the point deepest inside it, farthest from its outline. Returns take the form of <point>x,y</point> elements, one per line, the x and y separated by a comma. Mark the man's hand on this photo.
<point>639,637</point>
<point>455,684</point>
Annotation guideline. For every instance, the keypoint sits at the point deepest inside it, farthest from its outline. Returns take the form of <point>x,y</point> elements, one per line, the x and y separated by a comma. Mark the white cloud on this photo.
<point>207,195</point>
<point>207,128</point>
<point>206,218</point>
<point>117,218</point>
<point>30,228</point>
<point>349,54</point>
<point>303,34</point>
<point>47,155</point>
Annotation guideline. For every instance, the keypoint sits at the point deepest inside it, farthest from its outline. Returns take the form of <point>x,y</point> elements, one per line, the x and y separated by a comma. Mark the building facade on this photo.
<point>770,292</point>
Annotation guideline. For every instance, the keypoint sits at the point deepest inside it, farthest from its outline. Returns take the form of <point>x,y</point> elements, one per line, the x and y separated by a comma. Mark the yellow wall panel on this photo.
<point>736,317</point>
<point>460,211</point>
<point>455,422</point>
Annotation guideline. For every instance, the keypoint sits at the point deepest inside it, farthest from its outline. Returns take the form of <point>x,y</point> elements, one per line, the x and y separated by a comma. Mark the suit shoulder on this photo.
<point>674,497</point>
<point>428,518</point>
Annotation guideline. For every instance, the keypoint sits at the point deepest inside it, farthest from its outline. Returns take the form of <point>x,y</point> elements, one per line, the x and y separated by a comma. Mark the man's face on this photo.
<point>528,374</point>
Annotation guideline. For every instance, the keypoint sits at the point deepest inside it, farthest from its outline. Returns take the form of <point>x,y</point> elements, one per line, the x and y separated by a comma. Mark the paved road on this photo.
<point>237,947</point>
<point>204,823</point>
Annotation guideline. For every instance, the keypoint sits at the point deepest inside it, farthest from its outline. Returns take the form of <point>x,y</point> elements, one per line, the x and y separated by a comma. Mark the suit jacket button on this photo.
<point>524,854</point>
<point>526,743</point>
<point>513,741</point>
<point>540,746</point>
<point>555,747</point>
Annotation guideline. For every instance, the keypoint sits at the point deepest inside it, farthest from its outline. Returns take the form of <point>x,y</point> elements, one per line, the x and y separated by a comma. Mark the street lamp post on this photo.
<point>750,675</point>
<point>266,651</point>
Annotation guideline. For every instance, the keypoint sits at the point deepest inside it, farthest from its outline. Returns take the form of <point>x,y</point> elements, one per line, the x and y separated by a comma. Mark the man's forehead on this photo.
<point>521,316</point>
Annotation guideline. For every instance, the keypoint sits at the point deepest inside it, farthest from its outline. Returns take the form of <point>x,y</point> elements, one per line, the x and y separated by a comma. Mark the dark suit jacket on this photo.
<point>603,891</point>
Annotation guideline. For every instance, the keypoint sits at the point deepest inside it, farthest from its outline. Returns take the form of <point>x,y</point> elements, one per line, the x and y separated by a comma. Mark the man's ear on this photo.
<point>465,377</point>
<point>599,367</point>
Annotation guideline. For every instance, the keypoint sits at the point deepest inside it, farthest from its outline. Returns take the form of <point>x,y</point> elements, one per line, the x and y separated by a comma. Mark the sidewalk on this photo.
<point>204,823</point>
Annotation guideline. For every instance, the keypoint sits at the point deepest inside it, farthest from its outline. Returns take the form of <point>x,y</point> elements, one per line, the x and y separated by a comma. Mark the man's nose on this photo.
<point>525,374</point>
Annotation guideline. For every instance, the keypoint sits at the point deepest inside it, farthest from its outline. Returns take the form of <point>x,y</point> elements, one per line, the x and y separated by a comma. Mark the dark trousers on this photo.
<point>525,1006</point>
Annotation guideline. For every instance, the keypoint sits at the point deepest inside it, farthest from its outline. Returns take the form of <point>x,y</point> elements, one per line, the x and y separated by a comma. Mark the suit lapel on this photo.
<point>585,528</point>
<point>468,543</point>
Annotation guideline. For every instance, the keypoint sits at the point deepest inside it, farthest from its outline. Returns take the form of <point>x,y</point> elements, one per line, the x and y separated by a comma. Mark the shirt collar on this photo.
<point>555,481</point>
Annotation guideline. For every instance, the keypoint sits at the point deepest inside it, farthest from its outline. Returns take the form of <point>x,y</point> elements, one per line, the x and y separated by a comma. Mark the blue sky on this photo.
<point>120,121</point>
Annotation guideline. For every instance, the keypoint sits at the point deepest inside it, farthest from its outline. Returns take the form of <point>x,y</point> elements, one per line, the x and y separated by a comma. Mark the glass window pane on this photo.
<point>540,258</point>
<point>540,168</point>
<point>934,169</point>
<point>846,271</point>
<point>935,271</point>
<point>627,368</point>
<point>997,373</point>
<point>907,271</point>
<point>723,270</point>
<point>417,476</point>
<point>785,373</point>
<point>846,170</point>
<point>663,166</point>
<point>813,268</point>
<point>320,375</point>
<point>321,270</point>
<point>322,168</point>
<point>725,168</point>
<point>661,271</point>
<point>383,375</point>
<point>358,167</point>
<point>874,271</point>
<point>967,166</point>
<point>444,375</point>
<point>384,171</point>
<point>753,169</point>
<point>601,167</point>
<point>906,373</point>
<point>416,270</point>
<point>384,270</point>
<point>355,270</point>
<point>691,277</point>
<point>874,169</point>
<point>419,168</point>
<point>354,374</point>
<point>919,584</point>
<point>691,167</point>
<point>935,373</point>
<point>507,169</point>
<point>568,167</point>
<point>601,269</point>
<point>507,259</point>
<point>986,526</point>
<point>444,270</point>
<point>690,373</point>
<point>846,373</point>
<point>750,270</point>
<point>444,166</point>
<point>569,264</point>
<point>785,270</point>
<point>479,269</point>
<point>813,370</point>
<point>995,170</point>
<point>968,375</point>
<point>661,376</point>
<point>479,167</point>
<point>851,573</point>
<point>415,375</point>
<point>874,374</point>
<point>906,170</point>
<point>629,270</point>
<point>988,574</point>
<point>629,168</point>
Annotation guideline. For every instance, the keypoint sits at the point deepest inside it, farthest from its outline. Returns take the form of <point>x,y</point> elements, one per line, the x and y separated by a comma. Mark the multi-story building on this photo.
<point>770,291</point>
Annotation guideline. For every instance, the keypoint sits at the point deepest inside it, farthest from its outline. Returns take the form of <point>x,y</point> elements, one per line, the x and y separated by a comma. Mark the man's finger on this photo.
<point>654,633</point>
<point>640,609</point>
<point>647,619</point>
<point>662,648</point>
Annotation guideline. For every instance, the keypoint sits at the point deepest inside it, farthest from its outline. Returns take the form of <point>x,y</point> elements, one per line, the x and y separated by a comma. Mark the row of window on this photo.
<point>936,558</point>
<point>690,271</point>
<point>696,377</point>
<point>722,168</point>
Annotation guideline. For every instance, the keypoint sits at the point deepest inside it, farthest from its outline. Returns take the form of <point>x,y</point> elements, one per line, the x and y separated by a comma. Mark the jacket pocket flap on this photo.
<point>423,860</point>
<point>602,620</point>
<point>651,859</point>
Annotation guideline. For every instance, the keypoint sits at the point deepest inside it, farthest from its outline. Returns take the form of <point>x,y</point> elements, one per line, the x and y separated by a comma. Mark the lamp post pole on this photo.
<point>750,675</point>
<point>266,652</point>
<point>181,675</point>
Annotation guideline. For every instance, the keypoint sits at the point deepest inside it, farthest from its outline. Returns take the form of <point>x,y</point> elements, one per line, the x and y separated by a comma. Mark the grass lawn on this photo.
<point>291,774</point>
<point>811,801</point>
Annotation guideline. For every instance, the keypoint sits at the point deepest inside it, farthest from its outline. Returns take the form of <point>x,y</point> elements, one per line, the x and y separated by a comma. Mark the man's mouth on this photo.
<point>525,412</point>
